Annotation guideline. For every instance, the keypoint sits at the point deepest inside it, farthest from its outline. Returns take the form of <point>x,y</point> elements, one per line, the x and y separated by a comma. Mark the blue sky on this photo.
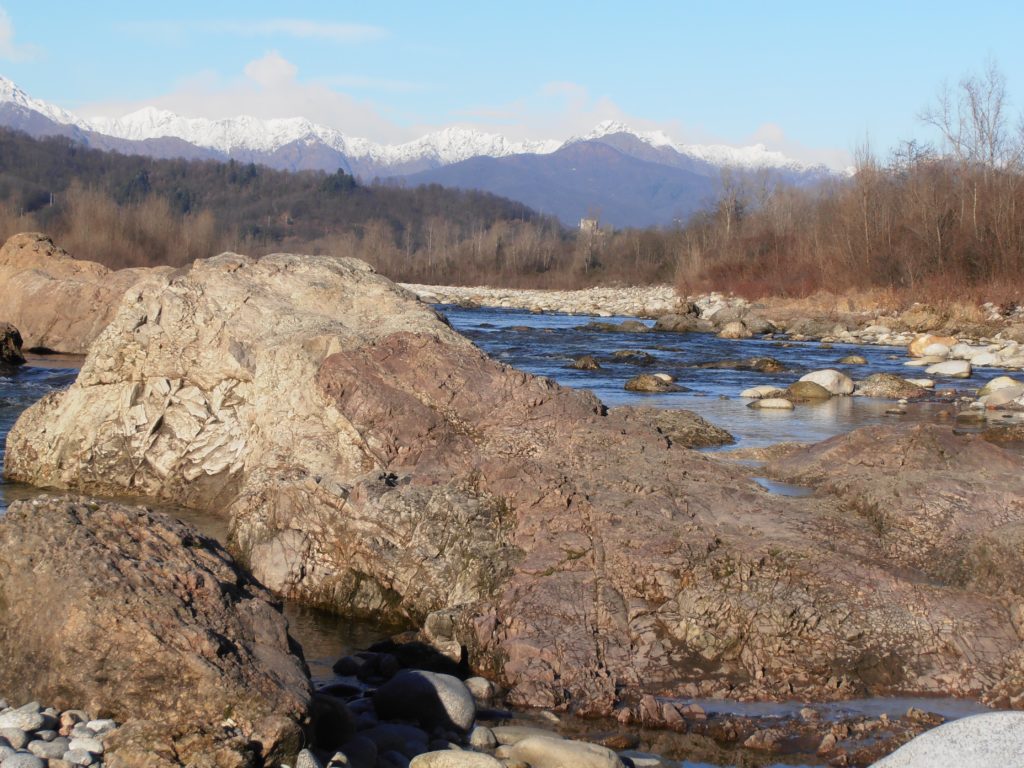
<point>810,79</point>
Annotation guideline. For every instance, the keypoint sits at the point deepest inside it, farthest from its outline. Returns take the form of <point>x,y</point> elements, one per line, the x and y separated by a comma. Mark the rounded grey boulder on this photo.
<point>430,698</point>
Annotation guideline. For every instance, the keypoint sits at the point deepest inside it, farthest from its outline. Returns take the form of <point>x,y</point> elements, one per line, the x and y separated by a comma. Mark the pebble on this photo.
<point>79,757</point>
<point>51,750</point>
<point>24,760</point>
<point>93,745</point>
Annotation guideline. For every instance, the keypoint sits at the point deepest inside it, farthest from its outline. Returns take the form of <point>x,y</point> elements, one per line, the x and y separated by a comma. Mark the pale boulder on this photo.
<point>921,343</point>
<point>936,350</point>
<point>762,391</point>
<point>553,752</point>
<point>999,382</point>
<point>836,382</point>
<point>772,404</point>
<point>954,369</point>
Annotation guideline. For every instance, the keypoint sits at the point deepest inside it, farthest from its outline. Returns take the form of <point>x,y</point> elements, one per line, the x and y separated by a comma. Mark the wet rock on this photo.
<point>853,360</point>
<point>979,741</point>
<point>888,385</point>
<point>684,429</point>
<point>735,330</point>
<point>434,700</point>
<point>157,609</point>
<point>680,323</point>
<point>810,327</point>
<point>10,345</point>
<point>836,382</point>
<point>626,326</point>
<point>59,303</point>
<point>807,390</point>
<point>585,363</point>
<point>633,357</point>
<point>646,382</point>
<point>759,364</point>
<point>765,739</point>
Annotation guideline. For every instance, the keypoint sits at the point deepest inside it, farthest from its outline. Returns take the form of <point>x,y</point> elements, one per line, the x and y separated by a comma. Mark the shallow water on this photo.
<point>546,344</point>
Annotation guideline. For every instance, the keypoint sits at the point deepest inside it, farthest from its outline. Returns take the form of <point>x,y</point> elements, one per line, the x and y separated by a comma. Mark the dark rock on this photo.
<point>634,357</point>
<point>585,363</point>
<point>649,383</point>
<point>759,364</point>
<point>682,323</point>
<point>888,385</point>
<point>801,391</point>
<point>434,700</point>
<point>626,326</point>
<point>10,345</point>
<point>148,609</point>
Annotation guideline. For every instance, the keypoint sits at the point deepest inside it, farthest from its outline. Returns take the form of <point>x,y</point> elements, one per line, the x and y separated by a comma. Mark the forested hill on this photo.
<point>131,210</point>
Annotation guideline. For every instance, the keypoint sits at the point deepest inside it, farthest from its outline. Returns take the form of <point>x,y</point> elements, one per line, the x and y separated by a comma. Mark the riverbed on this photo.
<point>546,344</point>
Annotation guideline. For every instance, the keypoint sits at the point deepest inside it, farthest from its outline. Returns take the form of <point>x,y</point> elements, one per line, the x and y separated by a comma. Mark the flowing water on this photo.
<point>546,344</point>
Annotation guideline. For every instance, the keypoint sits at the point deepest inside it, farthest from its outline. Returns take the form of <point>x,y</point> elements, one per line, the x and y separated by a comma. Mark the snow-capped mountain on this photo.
<point>528,171</point>
<point>11,94</point>
<point>449,145</point>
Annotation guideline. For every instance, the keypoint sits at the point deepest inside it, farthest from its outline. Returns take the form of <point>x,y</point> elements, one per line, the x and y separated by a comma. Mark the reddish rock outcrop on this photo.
<point>58,302</point>
<point>137,617</point>
<point>374,461</point>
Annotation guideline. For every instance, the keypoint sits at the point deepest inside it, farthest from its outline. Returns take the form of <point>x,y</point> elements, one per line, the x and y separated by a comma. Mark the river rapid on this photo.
<point>546,344</point>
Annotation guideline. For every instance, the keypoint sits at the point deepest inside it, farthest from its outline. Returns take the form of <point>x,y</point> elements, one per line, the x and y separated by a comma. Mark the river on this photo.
<point>546,344</point>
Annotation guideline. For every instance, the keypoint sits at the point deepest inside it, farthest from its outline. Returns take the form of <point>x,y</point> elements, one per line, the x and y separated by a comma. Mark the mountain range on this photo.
<point>621,176</point>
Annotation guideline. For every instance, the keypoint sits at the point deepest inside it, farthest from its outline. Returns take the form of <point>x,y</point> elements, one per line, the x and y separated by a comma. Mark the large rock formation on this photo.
<point>59,303</point>
<point>374,461</point>
<point>137,617</point>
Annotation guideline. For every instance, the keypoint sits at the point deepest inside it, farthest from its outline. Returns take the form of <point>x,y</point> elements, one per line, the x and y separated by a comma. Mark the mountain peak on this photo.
<point>10,93</point>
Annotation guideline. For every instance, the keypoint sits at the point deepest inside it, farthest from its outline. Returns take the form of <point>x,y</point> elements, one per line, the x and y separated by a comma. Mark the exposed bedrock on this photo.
<point>374,461</point>
<point>137,617</point>
<point>58,302</point>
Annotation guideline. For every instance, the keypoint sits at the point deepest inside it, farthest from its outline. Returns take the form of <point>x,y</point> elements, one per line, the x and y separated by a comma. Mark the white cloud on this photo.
<point>272,71</point>
<point>269,87</point>
<point>9,49</point>
<point>172,31</point>
<point>303,28</point>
